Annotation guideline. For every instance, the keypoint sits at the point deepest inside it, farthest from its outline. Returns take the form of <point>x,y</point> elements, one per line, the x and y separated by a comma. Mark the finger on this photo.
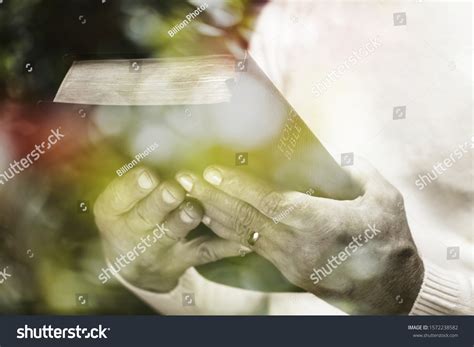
<point>373,184</point>
<point>220,229</point>
<point>206,250</point>
<point>299,210</point>
<point>184,219</point>
<point>226,233</point>
<point>252,190</point>
<point>242,216</point>
<point>213,215</point>
<point>153,209</point>
<point>177,225</point>
<point>363,172</point>
<point>123,193</point>
<point>223,225</point>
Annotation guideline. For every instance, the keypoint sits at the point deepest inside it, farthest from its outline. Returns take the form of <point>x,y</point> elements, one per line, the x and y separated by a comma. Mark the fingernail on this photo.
<point>185,217</point>
<point>213,176</point>
<point>168,197</point>
<point>246,249</point>
<point>186,181</point>
<point>206,220</point>
<point>145,181</point>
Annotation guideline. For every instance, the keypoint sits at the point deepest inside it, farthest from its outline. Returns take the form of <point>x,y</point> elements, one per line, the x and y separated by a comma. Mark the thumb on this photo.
<point>370,179</point>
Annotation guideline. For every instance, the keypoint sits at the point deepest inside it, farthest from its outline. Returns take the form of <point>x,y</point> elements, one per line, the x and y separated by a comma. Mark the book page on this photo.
<point>169,81</point>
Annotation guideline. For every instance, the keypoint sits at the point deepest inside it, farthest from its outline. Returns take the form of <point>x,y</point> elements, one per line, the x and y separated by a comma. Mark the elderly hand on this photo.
<point>358,255</point>
<point>144,223</point>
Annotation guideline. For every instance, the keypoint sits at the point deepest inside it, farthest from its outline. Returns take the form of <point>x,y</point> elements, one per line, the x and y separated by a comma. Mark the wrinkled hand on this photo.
<point>143,219</point>
<point>358,255</point>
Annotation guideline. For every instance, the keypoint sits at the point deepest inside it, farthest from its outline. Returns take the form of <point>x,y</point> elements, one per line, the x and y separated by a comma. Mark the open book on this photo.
<point>210,110</point>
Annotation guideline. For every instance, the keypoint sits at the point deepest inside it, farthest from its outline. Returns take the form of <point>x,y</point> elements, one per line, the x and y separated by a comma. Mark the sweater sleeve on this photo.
<point>195,295</point>
<point>444,293</point>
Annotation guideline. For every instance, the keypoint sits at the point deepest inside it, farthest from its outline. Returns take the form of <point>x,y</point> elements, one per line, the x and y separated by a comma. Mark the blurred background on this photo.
<point>48,241</point>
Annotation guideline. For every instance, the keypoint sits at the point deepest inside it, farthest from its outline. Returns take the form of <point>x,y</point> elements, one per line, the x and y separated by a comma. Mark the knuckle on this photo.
<point>117,201</point>
<point>193,208</point>
<point>272,203</point>
<point>393,197</point>
<point>234,180</point>
<point>155,201</point>
<point>406,250</point>
<point>240,229</point>
<point>172,231</point>
<point>247,214</point>
<point>142,215</point>
<point>170,188</point>
<point>211,194</point>
<point>206,254</point>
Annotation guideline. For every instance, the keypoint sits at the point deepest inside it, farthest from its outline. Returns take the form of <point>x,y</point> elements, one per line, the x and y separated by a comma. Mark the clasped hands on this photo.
<point>320,245</point>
